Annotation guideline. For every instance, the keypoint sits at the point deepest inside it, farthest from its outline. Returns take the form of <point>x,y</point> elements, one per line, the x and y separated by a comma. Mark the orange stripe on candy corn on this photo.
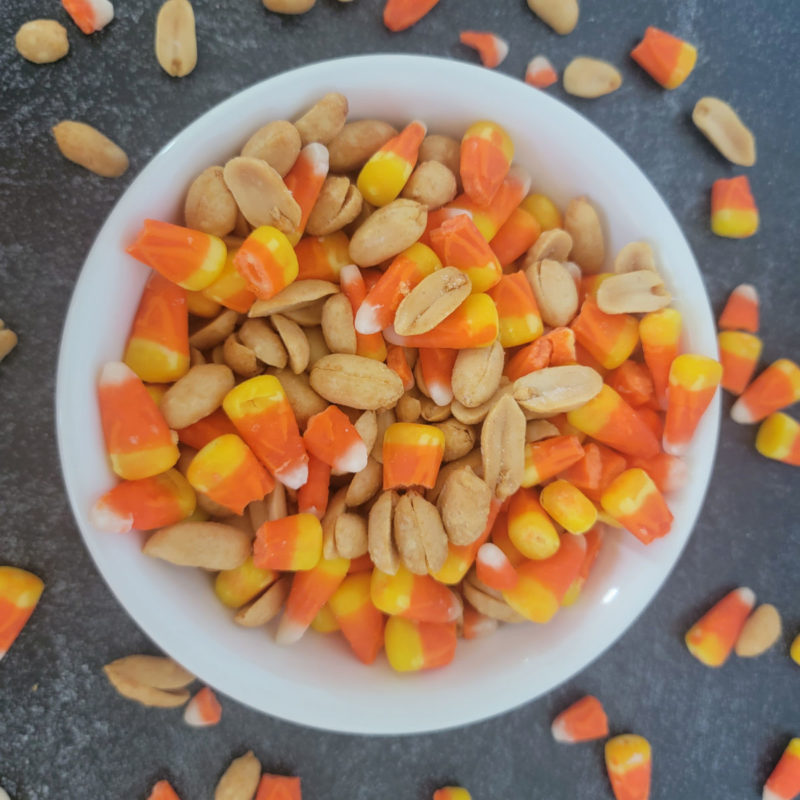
<point>362,624</point>
<point>230,289</point>
<point>413,596</point>
<point>775,388</point>
<point>486,154</point>
<point>312,496</point>
<point>546,458</point>
<point>322,257</point>
<point>629,765</point>
<point>491,48</point>
<point>279,787</point>
<point>291,543</point>
<point>205,430</point>
<point>610,338</point>
<point>370,345</point>
<point>267,262</point>
<point>779,438</point>
<point>711,639</point>
<point>413,645</point>
<point>459,243</point>
<point>666,58</point>
<point>584,721</point>
<point>412,454</point>
<point>19,593</point>
<point>332,438</point>
<point>784,780</point>
<point>738,353</point>
<point>741,311</point>
<point>401,14</point>
<point>660,333</point>
<point>163,791</point>
<point>436,364</point>
<point>515,236</point>
<point>304,180</point>
<point>734,213</point>
<point>493,567</point>
<point>634,501</point>
<point>518,314</point>
<point>540,73</point>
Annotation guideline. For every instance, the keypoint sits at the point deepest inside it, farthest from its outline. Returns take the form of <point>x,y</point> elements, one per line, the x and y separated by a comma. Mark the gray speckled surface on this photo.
<point>716,733</point>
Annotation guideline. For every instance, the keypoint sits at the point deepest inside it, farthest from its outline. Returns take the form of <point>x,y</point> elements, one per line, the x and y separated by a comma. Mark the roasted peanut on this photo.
<point>337,325</point>
<point>633,293</point>
<point>554,290</point>
<point>156,671</point>
<point>350,535</point>
<point>476,374</point>
<point>176,42</point>
<point>408,408</point>
<point>216,331</point>
<point>443,149</point>
<point>472,415</point>
<point>382,549</point>
<point>305,402</point>
<point>265,607</point>
<point>419,534</point>
<point>8,340</point>
<point>560,15</point>
<point>241,359</point>
<point>555,244</point>
<point>760,632</point>
<point>367,426</point>
<point>459,439</point>
<point>431,300</point>
<point>294,340</point>
<point>337,506</point>
<point>299,294</point>
<point>487,601</point>
<point>471,460</point>
<point>209,545</point>
<point>309,316</point>
<point>356,381</point>
<point>264,342</point>
<point>590,77</point>
<point>503,447</point>
<point>464,504</point>
<point>588,243</point>
<point>538,429</point>
<point>196,395</point>
<point>431,184</point>
<point>338,204</point>
<point>555,390</point>
<point>352,147</point>
<point>277,143</point>
<point>725,130</point>
<point>324,120</point>
<point>240,779</point>
<point>387,232</point>
<point>384,418</point>
<point>635,256</point>
<point>210,207</point>
<point>289,6</point>
<point>365,484</point>
<point>85,145</point>
<point>42,41</point>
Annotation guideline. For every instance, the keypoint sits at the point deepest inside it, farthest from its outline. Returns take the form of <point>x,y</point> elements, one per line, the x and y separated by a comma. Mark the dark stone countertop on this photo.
<point>64,733</point>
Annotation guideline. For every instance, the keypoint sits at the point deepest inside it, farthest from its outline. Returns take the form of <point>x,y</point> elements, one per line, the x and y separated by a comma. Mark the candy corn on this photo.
<point>331,437</point>
<point>413,646</point>
<point>413,596</point>
<point>237,586</point>
<point>733,210</point>
<point>261,413</point>
<point>397,362</point>
<point>401,14</point>
<point>325,622</point>
<point>775,388</point>
<point>291,543</point>
<point>322,257</point>
<point>568,506</point>
<point>669,473</point>
<point>711,639</point>
<point>486,155</point>
<point>89,15</point>
<point>629,765</point>
<point>383,177</point>
<point>493,568</point>
<point>540,73</point>
<point>144,504</point>
<point>412,454</point>
<point>312,496</point>
<point>660,333</point>
<point>594,541</point>
<point>738,353</point>
<point>529,528</point>
<point>546,458</point>
<point>227,471</point>
<point>230,289</point>
<point>19,593</point>
<point>634,501</point>
<point>475,625</point>
<point>361,623</point>
<point>459,243</point>
<point>545,211</point>
<point>203,710</point>
<point>200,433</point>
<point>518,314</point>
<point>584,721</point>
<point>610,338</point>
<point>693,381</point>
<point>311,590</point>
<point>304,180</point>
<point>267,262</point>
<point>278,787</point>
<point>461,557</point>
<point>515,236</point>
<point>491,48</point>
<point>528,359</point>
<point>163,791</point>
<point>370,345</point>
<point>436,365</point>
<point>158,346</point>
<point>202,306</point>
<point>632,381</point>
<point>452,793</point>
<point>741,310</point>
<point>138,441</point>
<point>666,59</point>
<point>784,781</point>
<point>779,438</point>
<point>542,584</point>
<point>190,258</point>
<point>610,420</point>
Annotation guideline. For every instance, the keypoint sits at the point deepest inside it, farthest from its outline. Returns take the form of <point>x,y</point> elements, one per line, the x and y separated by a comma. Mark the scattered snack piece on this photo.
<point>560,15</point>
<point>779,438</point>
<point>289,6</point>
<point>486,155</point>
<point>723,128</point>
<point>42,41</point>
<point>760,632</point>
<point>89,15</point>
<point>8,340</point>
<point>452,793</point>
<point>150,680</point>
<point>666,59</point>
<point>163,791</point>
<point>734,214</point>
<point>584,721</point>
<point>660,333</point>
<point>540,73</point>
<point>777,387</point>
<point>292,543</point>
<point>794,650</point>
<point>203,709</point>
<point>633,499</point>
<point>741,312</point>
<point>590,77</point>
<point>19,593</point>
<point>629,766</point>
<point>401,14</point>
<point>494,569</point>
<point>176,42</point>
<point>240,780</point>
<point>784,781</point>
<point>711,639</point>
<point>279,787</point>
<point>85,145</point>
<point>738,353</point>
<point>491,48</point>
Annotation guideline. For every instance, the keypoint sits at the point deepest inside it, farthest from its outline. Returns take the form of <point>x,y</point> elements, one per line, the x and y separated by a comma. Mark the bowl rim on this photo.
<point>191,656</point>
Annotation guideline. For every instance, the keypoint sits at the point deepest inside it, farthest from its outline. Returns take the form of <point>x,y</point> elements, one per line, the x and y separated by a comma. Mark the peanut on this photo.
<point>382,549</point>
<point>156,671</point>
<point>554,290</point>
<point>725,130</point>
<point>431,184</point>
<point>209,545</point>
<point>387,232</point>
<point>241,359</point>
<point>144,694</point>
<point>477,373</point>
<point>305,402</point>
<point>289,6</point>
<point>337,506</point>
<point>443,149</point>
<point>459,439</point>
<point>85,145</point>
<point>353,146</point>
<point>338,204</point>
<point>8,340</point>
<point>356,381</point>
<point>277,143</point>
<point>324,120</point>
<point>472,415</point>
<point>266,607</point>
<point>590,77</point>
<point>210,206</point>
<point>408,408</point>
<point>556,390</point>
<point>367,427</point>
<point>419,533</point>
<point>176,42</point>
<point>350,535</point>
<point>42,41</point>
<point>295,342</point>
<point>560,15</point>
<point>264,342</point>
<point>464,504</point>
<point>240,779</point>
<point>588,243</point>
<point>432,300</point>
<point>555,244</point>
<point>365,484</point>
<point>337,325</point>
<point>538,429</point>
<point>309,316</point>
<point>487,601</point>
<point>383,418</point>
<point>503,447</point>
<point>635,256</point>
<point>633,293</point>
<point>216,331</point>
<point>196,395</point>
<point>296,295</point>
<point>760,632</point>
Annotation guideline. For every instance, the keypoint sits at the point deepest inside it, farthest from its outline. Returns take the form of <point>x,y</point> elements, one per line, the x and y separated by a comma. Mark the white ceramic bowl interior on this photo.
<point>318,682</point>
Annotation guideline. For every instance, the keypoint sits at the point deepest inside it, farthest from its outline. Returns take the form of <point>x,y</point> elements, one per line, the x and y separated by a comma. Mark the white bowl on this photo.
<point>318,682</point>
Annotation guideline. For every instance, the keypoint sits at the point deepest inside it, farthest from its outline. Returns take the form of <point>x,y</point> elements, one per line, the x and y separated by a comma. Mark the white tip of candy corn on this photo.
<point>366,321</point>
<point>289,631</point>
<point>317,155</point>
<point>440,394</point>
<point>106,519</point>
<point>354,459</point>
<point>559,731</point>
<point>746,595</point>
<point>491,555</point>
<point>293,475</point>
<point>456,607</point>
<point>676,477</point>
<point>114,373</point>
<point>521,176</point>
<point>769,794</point>
<point>202,710</point>
<point>674,448</point>
<point>741,413</point>
<point>746,291</point>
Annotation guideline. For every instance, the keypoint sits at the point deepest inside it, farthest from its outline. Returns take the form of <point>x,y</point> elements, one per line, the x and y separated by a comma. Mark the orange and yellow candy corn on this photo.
<point>669,473</point>
<point>377,309</point>
<point>331,437</point>
<point>201,305</point>
<point>595,470</point>
<point>665,58</point>
<point>311,590</point>
<point>397,362</point>
<point>633,382</point>
<point>227,471</point>
<point>237,586</point>
<point>401,14</point>
<point>190,258</point>
<point>584,721</point>
<point>741,310</point>
<point>540,73</point>
<point>436,365</point>
<point>660,333</point>
<point>486,155</point>
<point>493,567</point>
<point>370,345</point>
<point>261,413</point>
<point>629,766</point>
<point>783,782</point>
<point>491,48</point>
<point>711,639</point>
<point>518,314</point>
<point>459,243</point>
<point>383,177</point>
<point>594,541</point>
<point>528,359</point>
<point>693,381</point>
<point>568,506</point>
<point>138,441</point>
<point>362,624</point>
<point>473,324</point>
<point>412,646</point>
<point>515,236</point>
<point>89,15</point>
<point>163,791</point>
<point>634,501</point>
<point>775,388</point>
<point>543,583</point>
<point>413,596</point>
<point>158,345</point>
<point>738,353</point>
<point>475,625</point>
<point>610,420</point>
<point>144,504</point>
<point>734,213</point>
<point>200,433</point>
<point>529,528</point>
<point>412,454</point>
<point>304,180</point>
<point>547,457</point>
<point>291,543</point>
<point>230,289</point>
<point>610,338</point>
<point>203,710</point>
<point>545,211</point>
<point>452,793</point>
<point>779,438</point>
<point>312,496</point>
<point>267,262</point>
<point>322,257</point>
<point>325,622</point>
<point>279,787</point>
<point>19,593</point>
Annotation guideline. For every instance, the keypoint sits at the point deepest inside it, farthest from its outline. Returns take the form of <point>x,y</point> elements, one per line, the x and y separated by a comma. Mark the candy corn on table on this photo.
<point>711,732</point>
